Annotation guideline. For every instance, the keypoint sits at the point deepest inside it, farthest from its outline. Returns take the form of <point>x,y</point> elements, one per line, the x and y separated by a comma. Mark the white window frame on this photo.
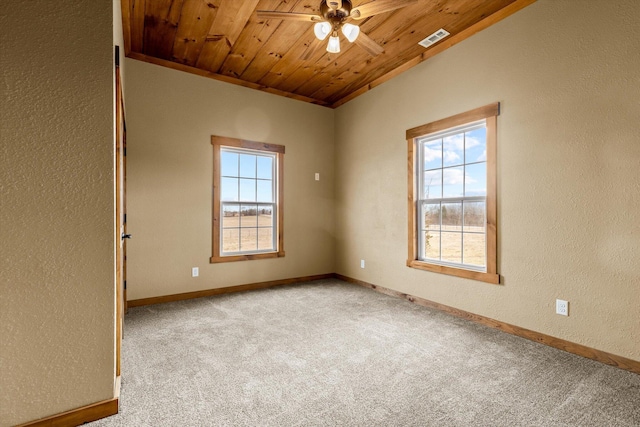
<point>422,201</point>
<point>273,205</point>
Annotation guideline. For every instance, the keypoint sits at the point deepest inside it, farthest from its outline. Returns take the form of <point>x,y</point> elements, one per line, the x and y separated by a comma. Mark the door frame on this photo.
<point>120,220</point>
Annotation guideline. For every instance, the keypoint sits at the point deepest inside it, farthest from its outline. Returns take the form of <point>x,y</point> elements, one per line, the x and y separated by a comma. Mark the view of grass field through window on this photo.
<point>247,201</point>
<point>453,192</point>
<point>247,232</point>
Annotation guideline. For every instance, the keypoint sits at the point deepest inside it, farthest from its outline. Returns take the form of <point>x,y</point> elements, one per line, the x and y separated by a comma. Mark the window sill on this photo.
<point>492,278</point>
<point>248,257</point>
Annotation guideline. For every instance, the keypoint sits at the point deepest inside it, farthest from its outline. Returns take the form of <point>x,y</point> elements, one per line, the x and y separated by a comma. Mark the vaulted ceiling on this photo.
<point>227,40</point>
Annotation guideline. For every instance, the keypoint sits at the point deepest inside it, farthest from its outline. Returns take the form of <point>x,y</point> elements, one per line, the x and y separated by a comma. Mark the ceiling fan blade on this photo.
<point>368,44</point>
<point>378,6</point>
<point>292,16</point>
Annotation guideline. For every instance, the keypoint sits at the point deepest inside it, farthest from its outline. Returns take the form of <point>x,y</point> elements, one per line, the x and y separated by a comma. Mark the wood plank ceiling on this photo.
<point>225,40</point>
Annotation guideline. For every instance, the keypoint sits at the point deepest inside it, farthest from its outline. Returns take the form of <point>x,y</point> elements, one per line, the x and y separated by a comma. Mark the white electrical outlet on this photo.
<point>317,176</point>
<point>361,263</point>
<point>562,307</point>
<point>195,272</point>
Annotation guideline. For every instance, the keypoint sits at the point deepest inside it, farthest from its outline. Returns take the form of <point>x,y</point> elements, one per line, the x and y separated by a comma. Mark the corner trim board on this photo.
<point>568,346</point>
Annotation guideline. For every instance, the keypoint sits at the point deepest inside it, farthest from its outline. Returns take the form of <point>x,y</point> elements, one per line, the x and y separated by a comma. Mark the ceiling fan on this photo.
<point>334,15</point>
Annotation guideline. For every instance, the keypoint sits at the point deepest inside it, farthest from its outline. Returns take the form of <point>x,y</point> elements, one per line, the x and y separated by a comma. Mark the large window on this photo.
<point>452,203</point>
<point>247,200</point>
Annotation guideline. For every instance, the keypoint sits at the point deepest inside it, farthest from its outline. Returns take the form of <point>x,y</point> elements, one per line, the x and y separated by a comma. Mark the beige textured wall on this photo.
<point>118,37</point>
<point>171,116</point>
<point>56,216</point>
<point>567,74</point>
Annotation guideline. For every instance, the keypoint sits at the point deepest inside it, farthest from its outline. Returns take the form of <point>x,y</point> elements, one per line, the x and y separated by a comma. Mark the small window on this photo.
<point>452,211</point>
<point>247,200</point>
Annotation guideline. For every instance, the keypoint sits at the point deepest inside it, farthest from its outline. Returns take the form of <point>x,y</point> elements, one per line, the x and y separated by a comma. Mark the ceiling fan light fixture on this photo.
<point>334,44</point>
<point>351,32</point>
<point>322,30</point>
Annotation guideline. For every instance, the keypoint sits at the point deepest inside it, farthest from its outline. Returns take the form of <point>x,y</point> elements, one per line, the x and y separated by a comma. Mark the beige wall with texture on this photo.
<point>171,116</point>
<point>568,174</point>
<point>56,219</point>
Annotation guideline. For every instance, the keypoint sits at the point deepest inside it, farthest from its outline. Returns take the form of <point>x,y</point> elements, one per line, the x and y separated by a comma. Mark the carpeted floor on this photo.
<point>328,353</point>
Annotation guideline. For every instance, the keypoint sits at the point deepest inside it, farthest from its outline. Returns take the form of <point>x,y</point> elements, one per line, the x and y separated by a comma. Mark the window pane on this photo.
<point>452,247</point>
<point>265,167</point>
<point>248,239</point>
<point>474,249</point>
<point>431,212</point>
<point>265,238</point>
<point>247,166</point>
<point>474,219</point>
<point>432,245</point>
<point>229,189</point>
<point>475,180</point>
<point>433,184</point>
<point>453,150</point>
<point>228,163</point>
<point>453,182</point>
<point>230,216</point>
<point>248,217</point>
<point>432,153</point>
<point>248,190</point>
<point>231,240</point>
<point>476,145</point>
<point>452,216</point>
<point>265,216</point>
<point>265,191</point>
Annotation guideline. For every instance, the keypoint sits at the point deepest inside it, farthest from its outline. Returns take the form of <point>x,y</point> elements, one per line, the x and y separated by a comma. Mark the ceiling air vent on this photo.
<point>434,38</point>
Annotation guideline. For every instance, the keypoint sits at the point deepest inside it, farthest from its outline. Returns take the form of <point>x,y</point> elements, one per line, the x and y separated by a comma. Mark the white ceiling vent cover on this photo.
<point>434,38</point>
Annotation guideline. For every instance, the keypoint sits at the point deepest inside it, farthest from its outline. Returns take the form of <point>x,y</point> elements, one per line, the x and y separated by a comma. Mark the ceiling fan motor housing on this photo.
<point>335,16</point>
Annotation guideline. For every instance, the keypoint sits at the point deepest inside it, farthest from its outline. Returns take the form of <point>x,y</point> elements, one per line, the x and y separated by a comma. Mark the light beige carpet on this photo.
<point>327,353</point>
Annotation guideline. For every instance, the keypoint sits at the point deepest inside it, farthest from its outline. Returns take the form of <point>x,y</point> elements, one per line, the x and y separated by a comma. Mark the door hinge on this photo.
<point>125,285</point>
<point>124,220</point>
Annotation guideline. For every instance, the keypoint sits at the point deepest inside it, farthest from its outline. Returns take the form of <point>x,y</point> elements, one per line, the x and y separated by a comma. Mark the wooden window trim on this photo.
<point>489,113</point>
<point>218,142</point>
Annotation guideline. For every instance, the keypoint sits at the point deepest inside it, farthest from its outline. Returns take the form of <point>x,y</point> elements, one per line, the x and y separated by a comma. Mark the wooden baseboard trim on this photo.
<point>78,416</point>
<point>578,349</point>
<point>227,290</point>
